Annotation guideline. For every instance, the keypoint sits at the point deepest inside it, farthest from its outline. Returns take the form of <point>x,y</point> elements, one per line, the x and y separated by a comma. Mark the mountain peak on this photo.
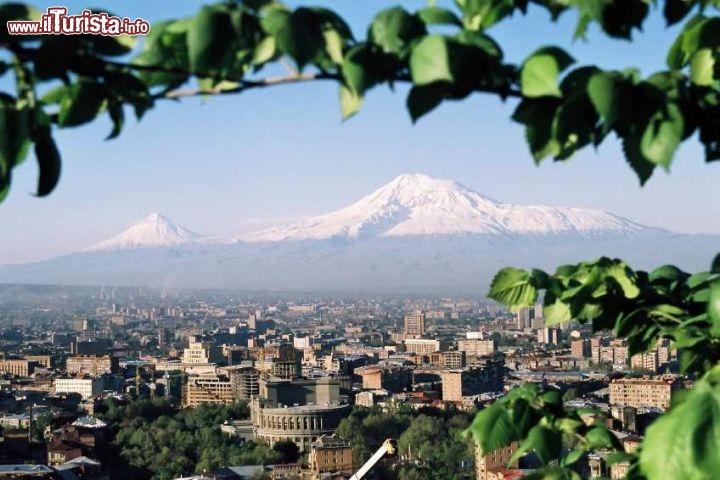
<point>155,230</point>
<point>156,217</point>
<point>418,204</point>
<point>421,180</point>
<point>411,188</point>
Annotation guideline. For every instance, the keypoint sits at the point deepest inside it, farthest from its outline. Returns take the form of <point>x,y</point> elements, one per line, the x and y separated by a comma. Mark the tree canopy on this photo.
<point>444,54</point>
<point>152,439</point>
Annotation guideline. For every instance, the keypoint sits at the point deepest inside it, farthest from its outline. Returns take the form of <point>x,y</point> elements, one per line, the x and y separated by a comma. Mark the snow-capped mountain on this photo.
<point>154,231</point>
<point>416,234</point>
<point>415,204</point>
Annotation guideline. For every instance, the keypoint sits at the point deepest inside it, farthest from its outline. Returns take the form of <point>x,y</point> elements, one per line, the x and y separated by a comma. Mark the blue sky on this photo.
<point>232,164</point>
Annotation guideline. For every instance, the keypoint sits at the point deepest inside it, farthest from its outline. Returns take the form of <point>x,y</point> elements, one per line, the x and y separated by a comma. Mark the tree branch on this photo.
<point>245,85</point>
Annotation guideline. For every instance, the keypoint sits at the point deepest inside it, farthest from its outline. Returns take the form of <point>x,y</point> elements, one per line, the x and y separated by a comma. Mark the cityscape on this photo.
<point>360,240</point>
<point>300,371</point>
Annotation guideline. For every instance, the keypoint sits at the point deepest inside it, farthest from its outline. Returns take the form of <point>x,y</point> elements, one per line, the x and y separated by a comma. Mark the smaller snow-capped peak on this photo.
<point>155,230</point>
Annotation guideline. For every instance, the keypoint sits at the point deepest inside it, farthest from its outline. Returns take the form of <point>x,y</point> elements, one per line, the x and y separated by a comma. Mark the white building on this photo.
<point>422,346</point>
<point>302,342</point>
<point>202,353</point>
<point>86,387</point>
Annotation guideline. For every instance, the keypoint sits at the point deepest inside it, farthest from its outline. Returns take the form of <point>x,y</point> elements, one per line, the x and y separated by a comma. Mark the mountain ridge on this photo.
<point>415,234</point>
<point>417,204</point>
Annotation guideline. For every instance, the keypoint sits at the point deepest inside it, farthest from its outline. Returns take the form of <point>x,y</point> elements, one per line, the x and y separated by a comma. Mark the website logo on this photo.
<point>57,22</point>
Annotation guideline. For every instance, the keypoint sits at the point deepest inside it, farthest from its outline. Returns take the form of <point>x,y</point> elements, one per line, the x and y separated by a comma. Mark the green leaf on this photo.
<point>393,29</point>
<point>619,17</point>
<point>607,92</point>
<point>112,46</point>
<point>684,442</point>
<point>539,74</point>
<point>48,158</point>
<point>625,278</point>
<point>642,167</point>
<point>4,186</point>
<point>479,39</point>
<point>702,67</point>
<point>514,288</point>
<point>546,443</point>
<point>669,273</point>
<point>600,437</point>
<point>258,4</point>
<point>569,425</point>
<point>275,20</point>
<point>536,115</point>
<point>523,415</point>
<point>713,307</point>
<point>676,10</point>
<point>210,40</point>
<point>350,102</point>
<point>438,16</point>
<point>698,279</point>
<point>14,134</point>
<point>492,428</point>
<point>358,69</point>
<point>572,457</point>
<point>264,51</point>
<point>165,46</point>
<point>430,61</point>
<point>117,115</point>
<point>662,136</point>
<point>574,124</point>
<point>330,20</point>
<point>685,44</point>
<point>81,104</point>
<point>423,99</point>
<point>715,266</point>
<point>301,37</point>
<point>482,14</point>
<point>701,32</point>
<point>556,313</point>
<point>334,45</point>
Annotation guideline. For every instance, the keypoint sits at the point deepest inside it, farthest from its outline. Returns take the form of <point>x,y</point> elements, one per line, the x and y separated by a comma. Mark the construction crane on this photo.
<point>387,448</point>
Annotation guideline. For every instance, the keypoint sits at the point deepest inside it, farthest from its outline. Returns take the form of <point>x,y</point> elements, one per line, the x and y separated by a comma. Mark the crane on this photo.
<point>387,448</point>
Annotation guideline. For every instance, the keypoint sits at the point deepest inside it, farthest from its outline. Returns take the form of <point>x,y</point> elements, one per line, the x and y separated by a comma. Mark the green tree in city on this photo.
<point>443,54</point>
<point>154,440</point>
<point>434,448</point>
<point>287,450</point>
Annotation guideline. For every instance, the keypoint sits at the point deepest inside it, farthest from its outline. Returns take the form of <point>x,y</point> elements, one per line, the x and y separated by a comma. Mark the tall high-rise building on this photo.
<point>415,324</point>
<point>524,318</point>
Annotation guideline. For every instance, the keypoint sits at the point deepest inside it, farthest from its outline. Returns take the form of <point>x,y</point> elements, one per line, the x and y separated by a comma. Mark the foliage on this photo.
<point>444,54</point>
<point>641,307</point>
<point>367,430</point>
<point>40,423</point>
<point>287,450</point>
<point>154,440</point>
<point>434,448</point>
<point>429,441</point>
<point>535,417</point>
